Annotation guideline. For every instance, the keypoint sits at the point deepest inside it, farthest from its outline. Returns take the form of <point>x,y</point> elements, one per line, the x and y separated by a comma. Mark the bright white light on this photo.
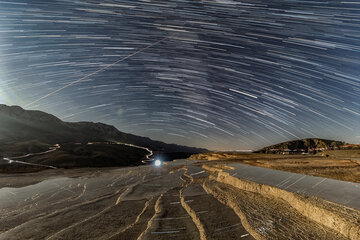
<point>157,163</point>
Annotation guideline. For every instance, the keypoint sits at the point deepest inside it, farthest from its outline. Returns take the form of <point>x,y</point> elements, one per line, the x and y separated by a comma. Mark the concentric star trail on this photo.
<point>93,73</point>
<point>233,74</point>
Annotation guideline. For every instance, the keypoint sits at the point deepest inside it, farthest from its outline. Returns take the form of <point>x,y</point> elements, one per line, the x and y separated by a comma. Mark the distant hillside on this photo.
<point>305,144</point>
<point>80,155</point>
<point>19,127</point>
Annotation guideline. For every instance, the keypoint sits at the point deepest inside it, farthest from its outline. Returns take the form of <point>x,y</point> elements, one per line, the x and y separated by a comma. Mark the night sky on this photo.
<point>218,74</point>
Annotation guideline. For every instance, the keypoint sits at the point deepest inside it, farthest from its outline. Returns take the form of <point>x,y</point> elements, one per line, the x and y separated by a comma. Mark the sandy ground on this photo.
<point>337,164</point>
<point>176,201</point>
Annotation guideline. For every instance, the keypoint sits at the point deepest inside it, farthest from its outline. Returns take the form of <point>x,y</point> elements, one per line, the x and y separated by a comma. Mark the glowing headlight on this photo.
<point>157,163</point>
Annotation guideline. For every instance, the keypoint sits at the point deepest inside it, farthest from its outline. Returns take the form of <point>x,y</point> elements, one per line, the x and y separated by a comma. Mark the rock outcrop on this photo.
<point>303,145</point>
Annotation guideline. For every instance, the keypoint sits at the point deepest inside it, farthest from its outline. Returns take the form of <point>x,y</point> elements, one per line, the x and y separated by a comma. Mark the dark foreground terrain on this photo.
<point>71,155</point>
<point>179,200</point>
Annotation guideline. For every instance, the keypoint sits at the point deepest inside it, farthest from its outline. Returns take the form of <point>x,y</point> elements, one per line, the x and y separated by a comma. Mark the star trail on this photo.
<point>220,74</point>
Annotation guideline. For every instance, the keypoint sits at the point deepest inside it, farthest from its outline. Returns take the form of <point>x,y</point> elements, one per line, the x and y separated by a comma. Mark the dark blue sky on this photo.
<point>229,75</point>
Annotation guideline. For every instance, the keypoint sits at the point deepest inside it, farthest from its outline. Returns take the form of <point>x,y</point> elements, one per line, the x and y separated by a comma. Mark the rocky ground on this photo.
<point>337,164</point>
<point>180,200</point>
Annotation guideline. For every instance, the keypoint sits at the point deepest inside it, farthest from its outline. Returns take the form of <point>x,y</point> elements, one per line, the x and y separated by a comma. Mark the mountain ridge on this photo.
<point>20,125</point>
<point>303,144</point>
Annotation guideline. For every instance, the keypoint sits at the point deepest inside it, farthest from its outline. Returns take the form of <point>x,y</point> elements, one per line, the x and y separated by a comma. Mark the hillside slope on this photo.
<point>303,144</point>
<point>22,126</point>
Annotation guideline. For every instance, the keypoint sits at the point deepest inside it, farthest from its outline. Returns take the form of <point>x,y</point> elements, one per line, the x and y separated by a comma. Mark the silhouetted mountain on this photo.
<point>18,125</point>
<point>305,144</point>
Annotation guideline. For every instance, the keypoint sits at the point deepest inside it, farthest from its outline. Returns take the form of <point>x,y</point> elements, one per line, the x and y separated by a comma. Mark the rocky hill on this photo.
<point>20,127</point>
<point>303,144</point>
